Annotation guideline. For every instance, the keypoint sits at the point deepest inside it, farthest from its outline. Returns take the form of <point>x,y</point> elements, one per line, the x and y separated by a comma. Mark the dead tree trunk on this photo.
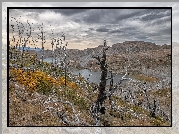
<point>102,85</point>
<point>110,89</point>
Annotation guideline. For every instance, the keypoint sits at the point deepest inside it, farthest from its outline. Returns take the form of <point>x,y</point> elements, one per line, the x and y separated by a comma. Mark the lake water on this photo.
<point>49,60</point>
<point>94,77</point>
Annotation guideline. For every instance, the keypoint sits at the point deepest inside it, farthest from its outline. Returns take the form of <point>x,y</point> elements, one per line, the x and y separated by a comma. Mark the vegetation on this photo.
<point>44,82</point>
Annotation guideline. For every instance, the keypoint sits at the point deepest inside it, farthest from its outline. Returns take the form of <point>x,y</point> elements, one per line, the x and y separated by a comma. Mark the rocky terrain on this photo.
<point>38,95</point>
<point>139,57</point>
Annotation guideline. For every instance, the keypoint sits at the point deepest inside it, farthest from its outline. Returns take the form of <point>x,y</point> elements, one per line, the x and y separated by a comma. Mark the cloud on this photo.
<point>69,12</point>
<point>102,29</point>
<point>93,25</point>
<point>155,14</point>
<point>116,31</point>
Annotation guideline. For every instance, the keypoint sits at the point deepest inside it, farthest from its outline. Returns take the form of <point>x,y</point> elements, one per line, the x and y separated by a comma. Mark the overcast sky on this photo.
<point>86,28</point>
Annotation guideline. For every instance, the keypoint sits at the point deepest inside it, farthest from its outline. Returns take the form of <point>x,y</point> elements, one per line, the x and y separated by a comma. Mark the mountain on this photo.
<point>29,48</point>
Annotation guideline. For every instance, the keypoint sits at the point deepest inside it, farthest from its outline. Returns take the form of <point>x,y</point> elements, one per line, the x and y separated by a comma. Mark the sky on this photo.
<point>86,28</point>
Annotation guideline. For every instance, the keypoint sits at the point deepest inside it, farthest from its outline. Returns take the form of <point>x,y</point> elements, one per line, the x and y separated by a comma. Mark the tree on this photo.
<point>42,37</point>
<point>98,106</point>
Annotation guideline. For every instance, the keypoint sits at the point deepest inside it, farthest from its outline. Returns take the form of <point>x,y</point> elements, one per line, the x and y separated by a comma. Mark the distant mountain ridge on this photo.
<point>132,46</point>
<point>29,48</point>
<point>139,46</point>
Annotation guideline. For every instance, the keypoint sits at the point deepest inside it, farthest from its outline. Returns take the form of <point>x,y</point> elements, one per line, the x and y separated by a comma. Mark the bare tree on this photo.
<point>98,106</point>
<point>42,37</point>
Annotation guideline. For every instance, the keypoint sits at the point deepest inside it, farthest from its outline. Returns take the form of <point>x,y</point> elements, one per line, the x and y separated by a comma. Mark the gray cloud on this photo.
<point>93,25</point>
<point>66,12</point>
<point>157,14</point>
<point>101,29</point>
<point>70,12</point>
<point>130,14</point>
<point>91,28</point>
<point>116,31</point>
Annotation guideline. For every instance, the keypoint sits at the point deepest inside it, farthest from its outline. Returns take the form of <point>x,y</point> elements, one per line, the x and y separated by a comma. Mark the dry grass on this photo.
<point>144,78</point>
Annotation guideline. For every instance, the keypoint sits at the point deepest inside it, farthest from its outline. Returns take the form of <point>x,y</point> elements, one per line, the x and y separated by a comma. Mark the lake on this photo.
<point>49,60</point>
<point>94,77</point>
<point>91,76</point>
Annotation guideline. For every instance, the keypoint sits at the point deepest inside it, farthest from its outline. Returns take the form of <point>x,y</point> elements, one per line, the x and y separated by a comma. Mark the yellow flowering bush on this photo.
<point>68,83</point>
<point>38,80</point>
<point>33,80</point>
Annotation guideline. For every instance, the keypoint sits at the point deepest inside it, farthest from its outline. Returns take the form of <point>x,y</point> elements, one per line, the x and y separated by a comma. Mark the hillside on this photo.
<point>142,58</point>
<point>39,95</point>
